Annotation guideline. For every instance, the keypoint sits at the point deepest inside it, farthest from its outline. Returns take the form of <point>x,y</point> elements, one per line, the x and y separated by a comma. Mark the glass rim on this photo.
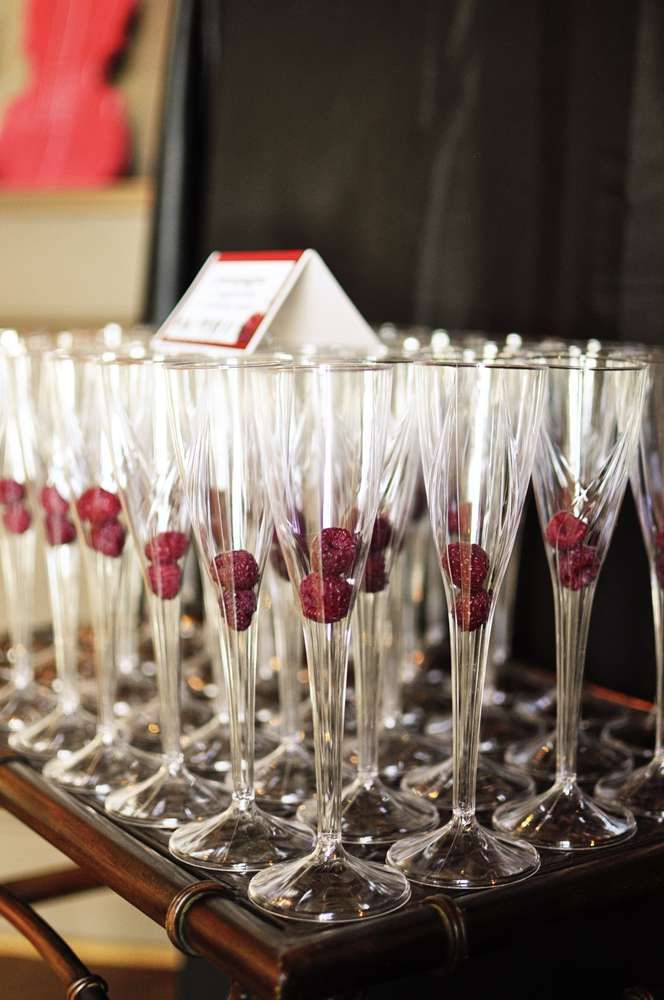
<point>333,364</point>
<point>599,362</point>
<point>509,364</point>
<point>182,363</point>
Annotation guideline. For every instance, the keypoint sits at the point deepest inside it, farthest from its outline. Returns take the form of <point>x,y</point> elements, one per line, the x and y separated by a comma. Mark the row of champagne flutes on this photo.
<point>327,451</point>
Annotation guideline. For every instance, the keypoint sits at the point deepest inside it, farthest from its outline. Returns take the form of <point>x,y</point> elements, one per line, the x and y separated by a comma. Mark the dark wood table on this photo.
<point>210,916</point>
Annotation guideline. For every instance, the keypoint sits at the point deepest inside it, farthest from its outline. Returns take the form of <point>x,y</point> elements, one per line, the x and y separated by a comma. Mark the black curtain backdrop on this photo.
<point>456,162</point>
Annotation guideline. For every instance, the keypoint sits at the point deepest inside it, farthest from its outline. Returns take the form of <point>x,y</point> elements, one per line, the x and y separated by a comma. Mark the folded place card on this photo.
<point>237,297</point>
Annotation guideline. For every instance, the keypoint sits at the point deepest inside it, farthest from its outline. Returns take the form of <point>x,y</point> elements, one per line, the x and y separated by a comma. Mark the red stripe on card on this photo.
<point>260,254</point>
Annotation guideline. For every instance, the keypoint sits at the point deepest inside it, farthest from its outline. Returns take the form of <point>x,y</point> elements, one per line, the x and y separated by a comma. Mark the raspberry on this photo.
<point>167,546</point>
<point>52,502</point>
<point>238,608</point>
<point>108,538</point>
<point>333,552</point>
<point>97,505</point>
<point>59,530</point>
<point>325,598</point>
<point>11,491</point>
<point>578,567</point>
<point>17,518</point>
<point>466,565</point>
<point>375,577</point>
<point>472,610</point>
<point>165,579</point>
<point>236,570</point>
<point>381,534</point>
<point>564,531</point>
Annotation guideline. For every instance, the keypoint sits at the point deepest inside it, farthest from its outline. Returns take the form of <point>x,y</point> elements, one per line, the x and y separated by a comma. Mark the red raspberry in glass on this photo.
<point>167,546</point>
<point>333,552</point>
<point>238,608</point>
<point>466,565</point>
<point>108,538</point>
<point>564,531</point>
<point>375,576</point>
<point>472,610</point>
<point>165,579</point>
<point>11,491</point>
<point>97,505</point>
<point>381,534</point>
<point>578,567</point>
<point>325,598</point>
<point>52,502</point>
<point>236,570</point>
<point>17,518</point>
<point>59,530</point>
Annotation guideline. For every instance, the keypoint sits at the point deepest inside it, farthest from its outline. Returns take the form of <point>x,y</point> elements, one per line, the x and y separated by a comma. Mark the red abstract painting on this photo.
<point>68,128</point>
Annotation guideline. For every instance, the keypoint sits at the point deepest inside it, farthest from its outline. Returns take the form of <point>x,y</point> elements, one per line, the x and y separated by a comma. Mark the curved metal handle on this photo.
<point>80,982</point>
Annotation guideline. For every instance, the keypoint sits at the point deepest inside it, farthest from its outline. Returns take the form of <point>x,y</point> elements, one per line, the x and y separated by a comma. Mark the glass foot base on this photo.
<point>22,707</point>
<point>565,818</point>
<point>285,778</point>
<point>241,839</point>
<point>594,758</point>
<point>168,799</point>
<point>145,731</point>
<point>642,792</point>
<point>372,813</point>
<point>498,728</point>
<point>463,855</point>
<point>400,750</point>
<point>495,784</point>
<point>207,750</point>
<point>58,735</point>
<point>329,887</point>
<point>635,734</point>
<point>99,768</point>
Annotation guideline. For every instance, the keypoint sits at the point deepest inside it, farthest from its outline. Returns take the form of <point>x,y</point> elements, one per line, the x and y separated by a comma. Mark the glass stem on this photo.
<point>393,667</point>
<point>165,620</point>
<point>105,577</point>
<point>469,657</point>
<point>214,648</point>
<point>327,661</point>
<point>288,647</point>
<point>658,617</point>
<point>128,619</point>
<point>367,630</point>
<point>572,613</point>
<point>240,672</point>
<point>18,567</point>
<point>63,568</point>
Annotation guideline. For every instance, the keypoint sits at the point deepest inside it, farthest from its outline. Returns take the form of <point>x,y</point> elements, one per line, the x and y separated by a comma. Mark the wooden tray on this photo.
<point>210,915</point>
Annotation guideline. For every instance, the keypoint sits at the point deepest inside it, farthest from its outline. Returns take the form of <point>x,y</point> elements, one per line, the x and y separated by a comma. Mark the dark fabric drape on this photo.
<point>466,164</point>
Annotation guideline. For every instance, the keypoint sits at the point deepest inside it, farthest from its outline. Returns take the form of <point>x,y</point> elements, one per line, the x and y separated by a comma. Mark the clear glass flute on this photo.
<point>22,701</point>
<point>372,812</point>
<point>479,424</point>
<point>68,727</point>
<point>400,746</point>
<point>589,436</point>
<point>212,408</point>
<point>153,502</point>
<point>82,450</point>
<point>286,777</point>
<point>643,790</point>
<point>322,432</point>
